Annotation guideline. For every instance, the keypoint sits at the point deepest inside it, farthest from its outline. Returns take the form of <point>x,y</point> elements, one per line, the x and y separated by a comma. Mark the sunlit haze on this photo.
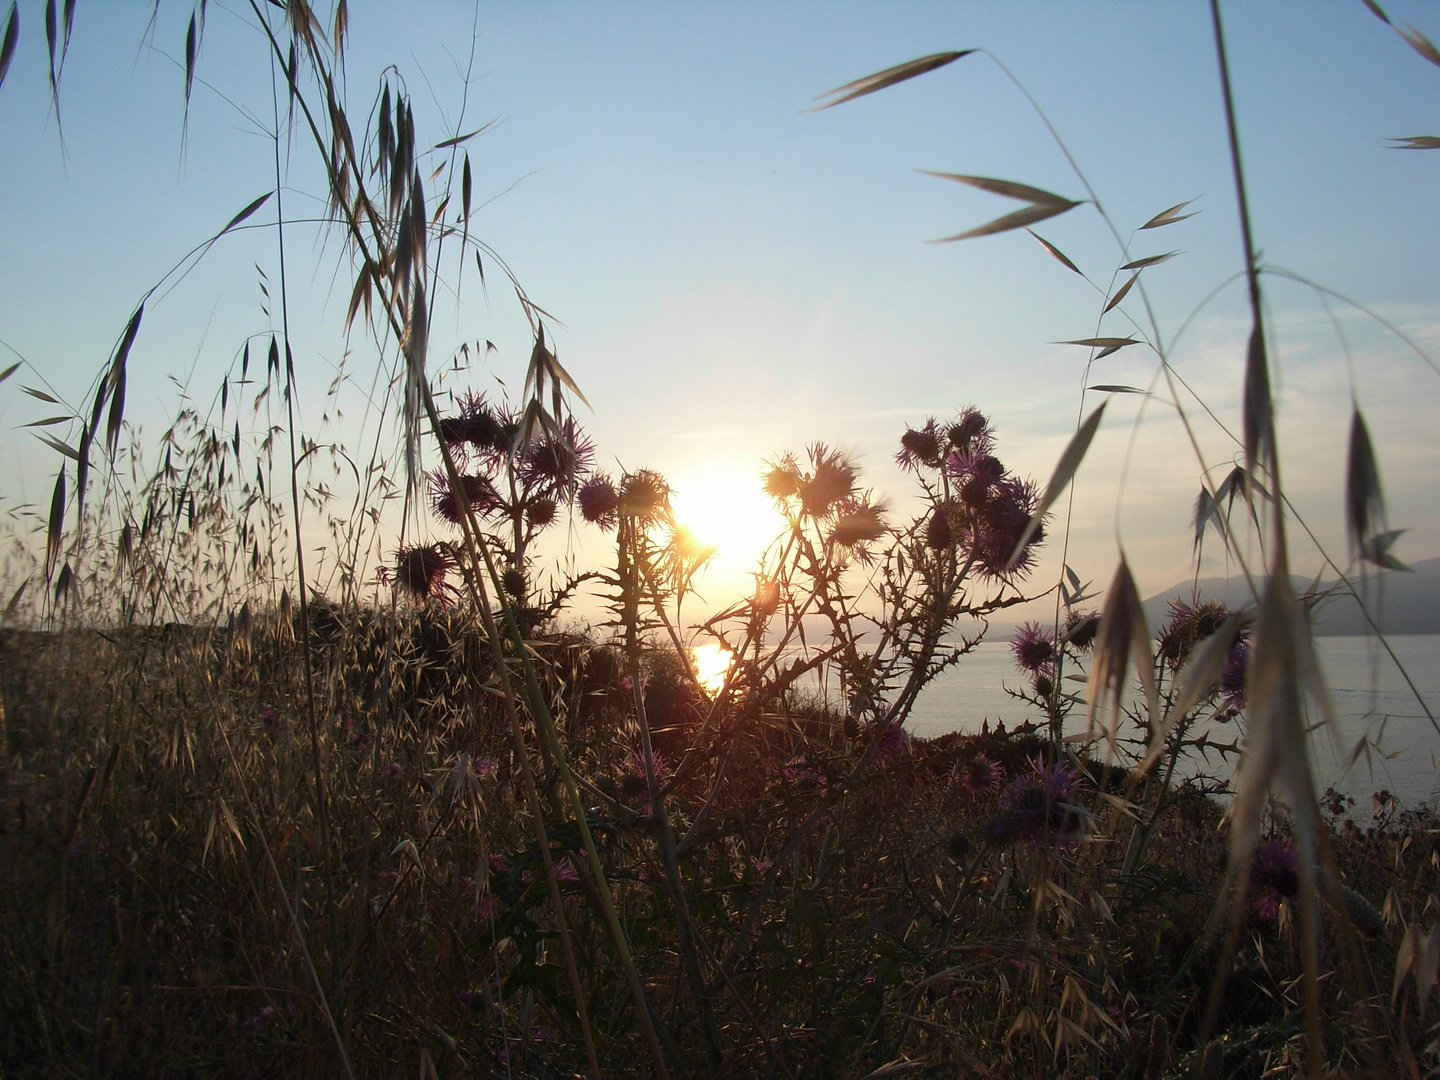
<point>729,512</point>
<point>712,665</point>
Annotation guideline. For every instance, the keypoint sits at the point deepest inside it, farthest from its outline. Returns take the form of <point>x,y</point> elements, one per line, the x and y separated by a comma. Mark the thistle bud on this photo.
<point>958,844</point>
<point>514,582</point>
<point>938,535</point>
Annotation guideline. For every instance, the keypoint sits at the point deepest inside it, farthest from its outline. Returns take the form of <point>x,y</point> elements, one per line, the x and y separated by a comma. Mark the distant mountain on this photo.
<point>1405,603</point>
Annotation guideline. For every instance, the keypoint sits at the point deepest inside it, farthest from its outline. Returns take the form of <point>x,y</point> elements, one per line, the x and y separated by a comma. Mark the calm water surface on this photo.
<point>1371,698</point>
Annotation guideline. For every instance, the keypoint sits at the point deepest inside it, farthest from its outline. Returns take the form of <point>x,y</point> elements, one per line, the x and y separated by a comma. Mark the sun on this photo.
<point>729,512</point>
<point>712,664</point>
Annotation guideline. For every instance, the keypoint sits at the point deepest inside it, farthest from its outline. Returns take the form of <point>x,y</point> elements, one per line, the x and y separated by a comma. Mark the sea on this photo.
<point>1383,743</point>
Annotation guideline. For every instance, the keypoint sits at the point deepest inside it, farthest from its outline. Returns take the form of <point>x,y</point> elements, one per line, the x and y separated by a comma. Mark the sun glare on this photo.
<point>712,664</point>
<point>730,512</point>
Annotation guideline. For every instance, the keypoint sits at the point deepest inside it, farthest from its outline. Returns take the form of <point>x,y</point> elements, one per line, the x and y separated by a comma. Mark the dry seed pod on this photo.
<point>1212,1061</point>
<point>1158,1054</point>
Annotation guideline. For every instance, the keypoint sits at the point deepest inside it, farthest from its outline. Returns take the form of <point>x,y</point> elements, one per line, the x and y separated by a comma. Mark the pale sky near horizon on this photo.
<point>738,277</point>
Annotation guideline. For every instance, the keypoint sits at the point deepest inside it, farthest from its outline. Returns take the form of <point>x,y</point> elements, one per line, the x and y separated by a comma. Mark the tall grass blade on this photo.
<point>1008,188</point>
<point>62,581</point>
<point>1122,636</point>
<point>1121,293</point>
<point>1064,472</point>
<point>55,527</point>
<point>1207,513</point>
<point>342,28</point>
<point>1417,142</point>
<point>1019,219</point>
<point>1376,549</point>
<point>51,40</point>
<point>1111,343</point>
<point>9,39</point>
<point>1378,12</point>
<point>1364,499</point>
<point>82,471</point>
<point>360,294</point>
<point>465,193</point>
<point>889,77</point>
<point>1056,252</point>
<point>1149,260</point>
<point>190,41</point>
<point>116,380</point>
<point>416,342</point>
<point>1420,43</point>
<point>1259,415</point>
<point>458,139</point>
<point>1169,217</point>
<point>14,603</point>
<point>247,212</point>
<point>63,448</point>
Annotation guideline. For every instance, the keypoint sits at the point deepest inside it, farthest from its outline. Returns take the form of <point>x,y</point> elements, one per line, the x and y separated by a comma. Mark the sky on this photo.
<point>736,276</point>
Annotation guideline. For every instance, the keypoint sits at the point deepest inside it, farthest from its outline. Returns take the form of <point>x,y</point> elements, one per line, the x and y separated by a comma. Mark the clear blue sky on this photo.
<point>738,277</point>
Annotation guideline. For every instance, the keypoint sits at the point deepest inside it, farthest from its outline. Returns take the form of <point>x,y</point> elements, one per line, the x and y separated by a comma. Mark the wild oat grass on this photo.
<point>254,824</point>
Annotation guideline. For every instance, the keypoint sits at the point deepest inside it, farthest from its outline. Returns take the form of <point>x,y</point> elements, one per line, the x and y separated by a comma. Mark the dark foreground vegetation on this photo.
<point>965,908</point>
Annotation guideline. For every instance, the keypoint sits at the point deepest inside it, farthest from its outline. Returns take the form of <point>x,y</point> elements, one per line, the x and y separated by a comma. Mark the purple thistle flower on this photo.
<point>599,503</point>
<point>1042,804</point>
<point>394,771</point>
<point>783,479</point>
<point>1187,626</point>
<point>974,476</point>
<point>1081,628</point>
<point>636,765</point>
<point>1274,876</point>
<point>971,433</point>
<point>895,741</point>
<point>1034,647</point>
<point>1001,829</point>
<point>832,480</point>
<point>644,496</point>
<point>420,572</point>
<point>551,465</point>
<point>994,531</point>
<point>262,1020</point>
<point>980,776</point>
<point>922,447</point>
<point>479,492</point>
<point>489,430</point>
<point>540,512</point>
<point>858,523</point>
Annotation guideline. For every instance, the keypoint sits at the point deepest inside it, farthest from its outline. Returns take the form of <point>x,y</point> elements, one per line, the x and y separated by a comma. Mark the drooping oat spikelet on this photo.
<point>416,341</point>
<point>1122,635</point>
